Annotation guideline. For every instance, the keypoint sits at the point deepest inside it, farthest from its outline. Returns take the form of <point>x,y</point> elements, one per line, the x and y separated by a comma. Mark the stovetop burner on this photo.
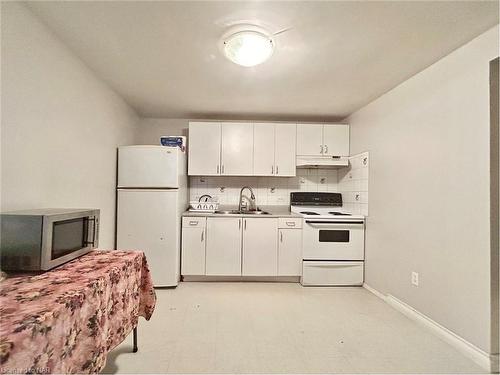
<point>309,213</point>
<point>338,213</point>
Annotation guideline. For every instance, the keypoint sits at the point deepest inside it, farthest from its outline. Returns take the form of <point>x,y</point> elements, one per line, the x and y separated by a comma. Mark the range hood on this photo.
<point>304,161</point>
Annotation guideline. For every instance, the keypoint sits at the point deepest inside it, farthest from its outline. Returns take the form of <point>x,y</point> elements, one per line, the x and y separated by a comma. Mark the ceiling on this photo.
<point>163,56</point>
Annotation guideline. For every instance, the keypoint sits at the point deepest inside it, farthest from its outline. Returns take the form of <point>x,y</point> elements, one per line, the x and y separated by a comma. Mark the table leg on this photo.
<point>135,348</point>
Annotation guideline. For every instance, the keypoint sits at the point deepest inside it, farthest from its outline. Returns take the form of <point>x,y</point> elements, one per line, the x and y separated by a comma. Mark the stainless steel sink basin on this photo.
<point>236,212</point>
<point>257,212</point>
<point>228,212</point>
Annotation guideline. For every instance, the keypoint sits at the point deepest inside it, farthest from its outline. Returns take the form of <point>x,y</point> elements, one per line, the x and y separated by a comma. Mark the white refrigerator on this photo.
<point>151,196</point>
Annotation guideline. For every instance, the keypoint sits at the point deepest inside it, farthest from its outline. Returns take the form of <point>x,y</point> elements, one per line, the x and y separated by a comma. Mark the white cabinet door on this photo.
<point>193,246</point>
<point>223,251</point>
<point>260,250</point>
<point>204,148</point>
<point>290,252</point>
<point>263,149</point>
<point>336,139</point>
<point>309,139</point>
<point>285,156</point>
<point>237,149</point>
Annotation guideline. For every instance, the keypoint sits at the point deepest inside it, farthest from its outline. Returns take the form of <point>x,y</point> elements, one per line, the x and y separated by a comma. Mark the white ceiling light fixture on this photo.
<point>247,45</point>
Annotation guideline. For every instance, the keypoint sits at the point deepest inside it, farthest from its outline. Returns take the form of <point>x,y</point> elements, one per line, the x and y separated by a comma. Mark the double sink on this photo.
<point>243,212</point>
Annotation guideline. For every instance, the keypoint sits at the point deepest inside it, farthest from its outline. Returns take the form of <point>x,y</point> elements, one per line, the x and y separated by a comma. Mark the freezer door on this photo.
<point>148,221</point>
<point>148,167</point>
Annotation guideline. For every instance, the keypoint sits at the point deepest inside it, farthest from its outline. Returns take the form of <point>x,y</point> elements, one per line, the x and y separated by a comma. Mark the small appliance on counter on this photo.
<point>41,239</point>
<point>333,240</point>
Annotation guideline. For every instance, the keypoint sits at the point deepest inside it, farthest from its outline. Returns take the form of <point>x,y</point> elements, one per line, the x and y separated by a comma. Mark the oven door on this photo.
<point>328,240</point>
<point>68,236</point>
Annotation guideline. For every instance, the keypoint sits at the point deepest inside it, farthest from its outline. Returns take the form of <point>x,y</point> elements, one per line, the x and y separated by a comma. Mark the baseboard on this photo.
<point>479,356</point>
<point>374,291</point>
<point>269,279</point>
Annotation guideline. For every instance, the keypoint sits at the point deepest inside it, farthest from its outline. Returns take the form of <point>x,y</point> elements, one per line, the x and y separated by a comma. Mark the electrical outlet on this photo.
<point>414,278</point>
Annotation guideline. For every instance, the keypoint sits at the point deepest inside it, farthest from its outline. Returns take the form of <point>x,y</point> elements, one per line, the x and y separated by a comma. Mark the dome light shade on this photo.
<point>248,47</point>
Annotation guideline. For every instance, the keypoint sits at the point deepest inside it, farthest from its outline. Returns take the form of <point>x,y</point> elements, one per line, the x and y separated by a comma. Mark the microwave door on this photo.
<point>64,239</point>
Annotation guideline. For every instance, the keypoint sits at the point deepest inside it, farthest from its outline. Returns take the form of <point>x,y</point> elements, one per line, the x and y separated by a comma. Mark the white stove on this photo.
<point>333,213</point>
<point>332,240</point>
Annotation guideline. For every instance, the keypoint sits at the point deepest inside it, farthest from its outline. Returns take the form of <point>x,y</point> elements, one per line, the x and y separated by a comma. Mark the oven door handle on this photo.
<point>326,222</point>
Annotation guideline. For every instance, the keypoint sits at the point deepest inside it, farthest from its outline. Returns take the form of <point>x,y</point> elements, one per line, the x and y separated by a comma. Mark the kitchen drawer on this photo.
<point>194,222</point>
<point>330,273</point>
<point>289,222</point>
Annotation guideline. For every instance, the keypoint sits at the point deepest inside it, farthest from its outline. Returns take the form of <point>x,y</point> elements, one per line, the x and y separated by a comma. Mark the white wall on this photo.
<point>151,129</point>
<point>429,189</point>
<point>60,124</point>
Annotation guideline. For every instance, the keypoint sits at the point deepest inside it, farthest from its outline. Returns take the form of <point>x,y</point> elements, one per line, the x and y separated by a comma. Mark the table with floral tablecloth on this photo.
<point>67,320</point>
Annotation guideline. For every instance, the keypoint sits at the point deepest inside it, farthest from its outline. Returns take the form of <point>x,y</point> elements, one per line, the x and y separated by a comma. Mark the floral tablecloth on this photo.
<point>66,320</point>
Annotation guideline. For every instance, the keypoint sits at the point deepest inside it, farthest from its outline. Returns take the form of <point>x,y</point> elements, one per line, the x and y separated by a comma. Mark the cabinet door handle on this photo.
<point>321,149</point>
<point>202,233</point>
<point>239,224</point>
<point>245,224</point>
<point>193,222</point>
<point>277,170</point>
<point>326,149</point>
<point>272,169</point>
<point>290,223</point>
<point>281,236</point>
<point>222,171</point>
<point>217,168</point>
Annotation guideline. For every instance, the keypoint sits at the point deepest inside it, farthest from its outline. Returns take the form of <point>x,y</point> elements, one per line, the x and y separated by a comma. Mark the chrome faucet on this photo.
<point>252,197</point>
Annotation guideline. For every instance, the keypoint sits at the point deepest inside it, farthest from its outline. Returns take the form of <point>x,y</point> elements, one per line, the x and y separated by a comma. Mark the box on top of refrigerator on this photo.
<point>173,141</point>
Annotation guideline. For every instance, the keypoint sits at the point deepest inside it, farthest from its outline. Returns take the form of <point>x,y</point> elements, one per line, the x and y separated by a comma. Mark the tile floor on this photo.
<point>281,328</point>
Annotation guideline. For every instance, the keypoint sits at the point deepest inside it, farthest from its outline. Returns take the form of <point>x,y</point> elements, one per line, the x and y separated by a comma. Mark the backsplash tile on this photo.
<point>351,181</point>
<point>353,184</point>
<point>267,190</point>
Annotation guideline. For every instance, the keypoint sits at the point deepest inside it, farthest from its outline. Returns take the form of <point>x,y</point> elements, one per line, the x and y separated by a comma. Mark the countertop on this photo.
<point>275,211</point>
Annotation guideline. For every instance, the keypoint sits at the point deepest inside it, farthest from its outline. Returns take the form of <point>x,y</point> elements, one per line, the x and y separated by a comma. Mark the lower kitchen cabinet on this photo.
<point>235,246</point>
<point>223,247</point>
<point>260,255</point>
<point>193,246</point>
<point>290,252</point>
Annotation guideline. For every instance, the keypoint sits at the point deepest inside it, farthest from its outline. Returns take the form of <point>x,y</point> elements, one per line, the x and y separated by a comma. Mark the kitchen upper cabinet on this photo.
<point>260,255</point>
<point>284,152</point>
<point>274,149</point>
<point>237,149</point>
<point>193,246</point>
<point>289,252</point>
<point>204,148</point>
<point>336,140</point>
<point>323,139</point>
<point>263,149</point>
<point>223,247</point>
<point>260,149</point>
<point>309,139</point>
